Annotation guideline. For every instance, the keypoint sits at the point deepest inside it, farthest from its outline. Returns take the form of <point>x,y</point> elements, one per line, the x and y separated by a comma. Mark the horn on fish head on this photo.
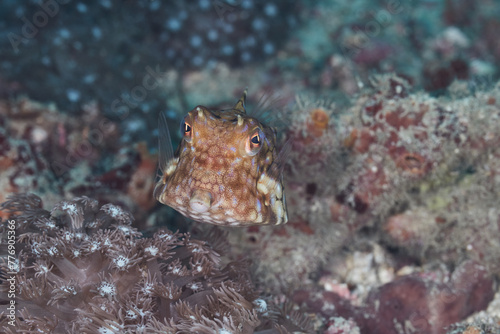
<point>240,105</point>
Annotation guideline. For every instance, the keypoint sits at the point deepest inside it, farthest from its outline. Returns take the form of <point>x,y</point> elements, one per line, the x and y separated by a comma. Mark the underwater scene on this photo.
<point>250,166</point>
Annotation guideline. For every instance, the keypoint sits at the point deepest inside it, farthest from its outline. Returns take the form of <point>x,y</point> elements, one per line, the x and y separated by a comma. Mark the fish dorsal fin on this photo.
<point>271,110</point>
<point>240,105</point>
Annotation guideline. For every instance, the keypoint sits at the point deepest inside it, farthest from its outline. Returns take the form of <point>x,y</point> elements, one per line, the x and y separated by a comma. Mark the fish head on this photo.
<point>226,171</point>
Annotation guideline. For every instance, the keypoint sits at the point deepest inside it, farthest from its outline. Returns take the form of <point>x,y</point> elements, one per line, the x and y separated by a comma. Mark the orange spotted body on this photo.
<point>226,170</point>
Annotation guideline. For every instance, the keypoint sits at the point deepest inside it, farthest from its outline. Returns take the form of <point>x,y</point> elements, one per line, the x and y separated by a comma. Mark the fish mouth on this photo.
<point>200,200</point>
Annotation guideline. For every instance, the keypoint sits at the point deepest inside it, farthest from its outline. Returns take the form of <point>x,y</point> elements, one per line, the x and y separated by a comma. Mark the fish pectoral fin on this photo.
<point>165,149</point>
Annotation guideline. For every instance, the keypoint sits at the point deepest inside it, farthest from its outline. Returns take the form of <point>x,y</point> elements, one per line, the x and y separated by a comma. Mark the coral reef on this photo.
<point>397,184</point>
<point>393,184</point>
<point>84,269</point>
<point>43,150</point>
<point>426,302</point>
<point>392,111</point>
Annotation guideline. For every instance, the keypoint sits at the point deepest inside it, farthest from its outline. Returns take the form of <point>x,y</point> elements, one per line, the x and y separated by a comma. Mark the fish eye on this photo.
<point>255,139</point>
<point>187,130</point>
<point>254,142</point>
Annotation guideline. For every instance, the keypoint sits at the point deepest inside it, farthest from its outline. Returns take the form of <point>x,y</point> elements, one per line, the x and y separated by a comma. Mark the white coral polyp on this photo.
<point>260,305</point>
<point>70,208</point>
<point>131,315</point>
<point>70,290</point>
<point>107,289</point>
<point>195,286</point>
<point>121,262</point>
<point>115,211</point>
<point>148,289</point>
<point>153,250</point>
<point>125,229</point>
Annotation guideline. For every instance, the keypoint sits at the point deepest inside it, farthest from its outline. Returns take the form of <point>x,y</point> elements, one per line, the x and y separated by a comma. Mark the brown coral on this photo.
<point>85,269</point>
